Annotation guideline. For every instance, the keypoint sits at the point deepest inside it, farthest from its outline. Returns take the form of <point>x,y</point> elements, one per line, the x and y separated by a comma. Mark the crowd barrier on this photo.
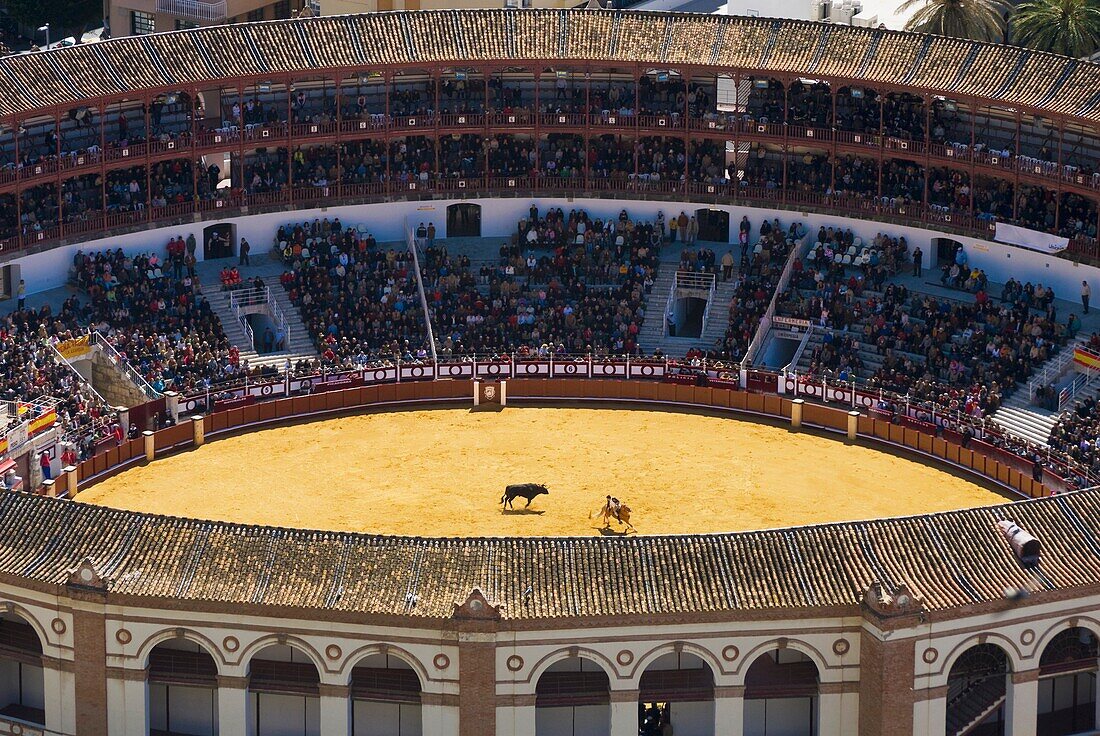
<point>379,389</point>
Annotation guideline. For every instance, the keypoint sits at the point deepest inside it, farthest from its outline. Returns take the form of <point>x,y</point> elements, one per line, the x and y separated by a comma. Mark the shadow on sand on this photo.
<point>609,532</point>
<point>522,512</point>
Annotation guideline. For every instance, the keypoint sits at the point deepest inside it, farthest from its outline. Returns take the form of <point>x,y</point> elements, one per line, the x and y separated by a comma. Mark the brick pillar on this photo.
<point>477,684</point>
<point>886,671</point>
<point>90,662</point>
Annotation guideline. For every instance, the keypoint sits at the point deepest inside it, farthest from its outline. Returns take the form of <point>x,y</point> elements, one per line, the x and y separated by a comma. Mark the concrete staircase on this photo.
<point>653,329</point>
<point>1019,416</point>
<point>300,346</point>
<point>652,335</point>
<point>269,268</point>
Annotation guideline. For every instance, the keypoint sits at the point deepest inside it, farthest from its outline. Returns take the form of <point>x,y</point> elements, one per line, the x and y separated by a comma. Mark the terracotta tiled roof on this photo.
<point>947,560</point>
<point>1007,75</point>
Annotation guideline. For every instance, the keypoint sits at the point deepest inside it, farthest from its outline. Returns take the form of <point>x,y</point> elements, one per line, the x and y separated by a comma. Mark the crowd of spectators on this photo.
<point>568,283</point>
<point>966,354</point>
<point>359,302</point>
<point>159,322</point>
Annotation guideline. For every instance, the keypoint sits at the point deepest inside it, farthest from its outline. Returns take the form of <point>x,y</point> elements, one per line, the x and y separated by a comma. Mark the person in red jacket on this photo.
<point>44,461</point>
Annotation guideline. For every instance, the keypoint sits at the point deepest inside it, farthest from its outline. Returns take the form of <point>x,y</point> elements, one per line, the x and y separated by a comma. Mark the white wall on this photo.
<point>386,221</point>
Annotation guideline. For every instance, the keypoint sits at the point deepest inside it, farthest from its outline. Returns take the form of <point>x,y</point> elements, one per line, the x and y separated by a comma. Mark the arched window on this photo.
<point>781,691</point>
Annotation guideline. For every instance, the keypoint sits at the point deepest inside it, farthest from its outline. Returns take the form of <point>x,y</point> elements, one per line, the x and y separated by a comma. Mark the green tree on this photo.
<point>1068,27</point>
<point>979,20</point>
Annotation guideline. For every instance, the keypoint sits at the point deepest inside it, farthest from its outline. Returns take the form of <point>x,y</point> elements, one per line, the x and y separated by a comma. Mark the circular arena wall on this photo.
<point>469,616</point>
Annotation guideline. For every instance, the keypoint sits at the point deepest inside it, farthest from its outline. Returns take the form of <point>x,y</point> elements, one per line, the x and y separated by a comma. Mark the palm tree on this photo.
<point>1068,27</point>
<point>978,20</point>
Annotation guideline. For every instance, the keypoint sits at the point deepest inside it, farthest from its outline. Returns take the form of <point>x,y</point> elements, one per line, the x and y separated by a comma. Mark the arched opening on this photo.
<point>183,689</point>
<point>217,241</point>
<point>283,697</point>
<point>976,691</point>
<point>781,690</point>
<point>573,698</point>
<point>385,697</point>
<point>464,220</point>
<point>1067,683</point>
<point>714,225</point>
<point>678,689</point>
<point>22,690</point>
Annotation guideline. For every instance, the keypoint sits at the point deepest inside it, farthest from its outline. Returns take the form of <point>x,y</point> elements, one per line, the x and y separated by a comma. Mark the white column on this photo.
<point>232,706</point>
<point>137,705</point>
<point>930,716</point>
<point>729,711</point>
<point>1097,699</point>
<point>838,712</point>
<point>335,707</point>
<point>59,699</point>
<point>1022,703</point>
<point>517,719</point>
<point>624,713</point>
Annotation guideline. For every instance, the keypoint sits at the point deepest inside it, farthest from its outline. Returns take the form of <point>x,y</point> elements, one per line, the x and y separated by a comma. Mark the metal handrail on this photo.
<point>710,303</point>
<point>122,364</point>
<point>798,352</point>
<point>279,318</point>
<point>60,360</point>
<point>1052,370</point>
<point>781,286</point>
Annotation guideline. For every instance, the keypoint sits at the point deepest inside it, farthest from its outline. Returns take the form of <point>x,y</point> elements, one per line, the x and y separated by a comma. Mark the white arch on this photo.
<point>1070,622</point>
<point>1002,642</point>
<point>760,650</point>
<point>353,657</point>
<point>540,667</point>
<point>28,618</point>
<point>708,657</point>
<point>276,639</point>
<point>146,649</point>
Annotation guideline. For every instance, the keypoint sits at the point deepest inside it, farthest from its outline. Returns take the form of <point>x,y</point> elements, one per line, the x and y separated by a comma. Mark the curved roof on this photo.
<point>948,560</point>
<point>1008,75</point>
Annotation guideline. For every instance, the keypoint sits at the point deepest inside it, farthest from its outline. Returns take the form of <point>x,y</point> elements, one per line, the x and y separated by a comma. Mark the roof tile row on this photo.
<point>209,55</point>
<point>947,560</point>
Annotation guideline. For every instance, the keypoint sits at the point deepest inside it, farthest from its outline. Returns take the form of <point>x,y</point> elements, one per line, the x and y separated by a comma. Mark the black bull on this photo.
<point>523,490</point>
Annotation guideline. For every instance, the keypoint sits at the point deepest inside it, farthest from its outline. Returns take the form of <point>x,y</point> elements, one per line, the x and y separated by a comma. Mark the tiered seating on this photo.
<point>30,370</point>
<point>158,322</point>
<point>359,302</point>
<point>756,283</point>
<point>569,282</point>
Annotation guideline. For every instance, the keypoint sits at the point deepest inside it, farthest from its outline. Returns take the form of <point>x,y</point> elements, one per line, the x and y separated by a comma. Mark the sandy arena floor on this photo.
<point>442,473</point>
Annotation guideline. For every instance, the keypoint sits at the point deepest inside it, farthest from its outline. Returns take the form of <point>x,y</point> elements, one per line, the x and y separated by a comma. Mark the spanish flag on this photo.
<point>1086,358</point>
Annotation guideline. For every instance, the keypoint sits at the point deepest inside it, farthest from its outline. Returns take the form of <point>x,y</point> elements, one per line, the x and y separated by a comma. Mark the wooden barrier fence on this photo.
<point>981,459</point>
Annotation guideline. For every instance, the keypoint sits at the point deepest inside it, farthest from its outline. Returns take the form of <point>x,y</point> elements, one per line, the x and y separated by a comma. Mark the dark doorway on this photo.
<point>945,249</point>
<point>714,225</point>
<point>217,241</point>
<point>688,317</point>
<point>464,220</point>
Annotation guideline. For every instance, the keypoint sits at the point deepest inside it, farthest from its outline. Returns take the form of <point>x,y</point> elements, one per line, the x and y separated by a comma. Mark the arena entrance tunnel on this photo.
<point>714,225</point>
<point>385,697</point>
<point>464,220</point>
<point>573,698</point>
<point>781,695</point>
<point>676,689</point>
<point>977,690</point>
<point>182,682</point>
<point>283,693</point>
<point>22,685</point>
<point>1068,696</point>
